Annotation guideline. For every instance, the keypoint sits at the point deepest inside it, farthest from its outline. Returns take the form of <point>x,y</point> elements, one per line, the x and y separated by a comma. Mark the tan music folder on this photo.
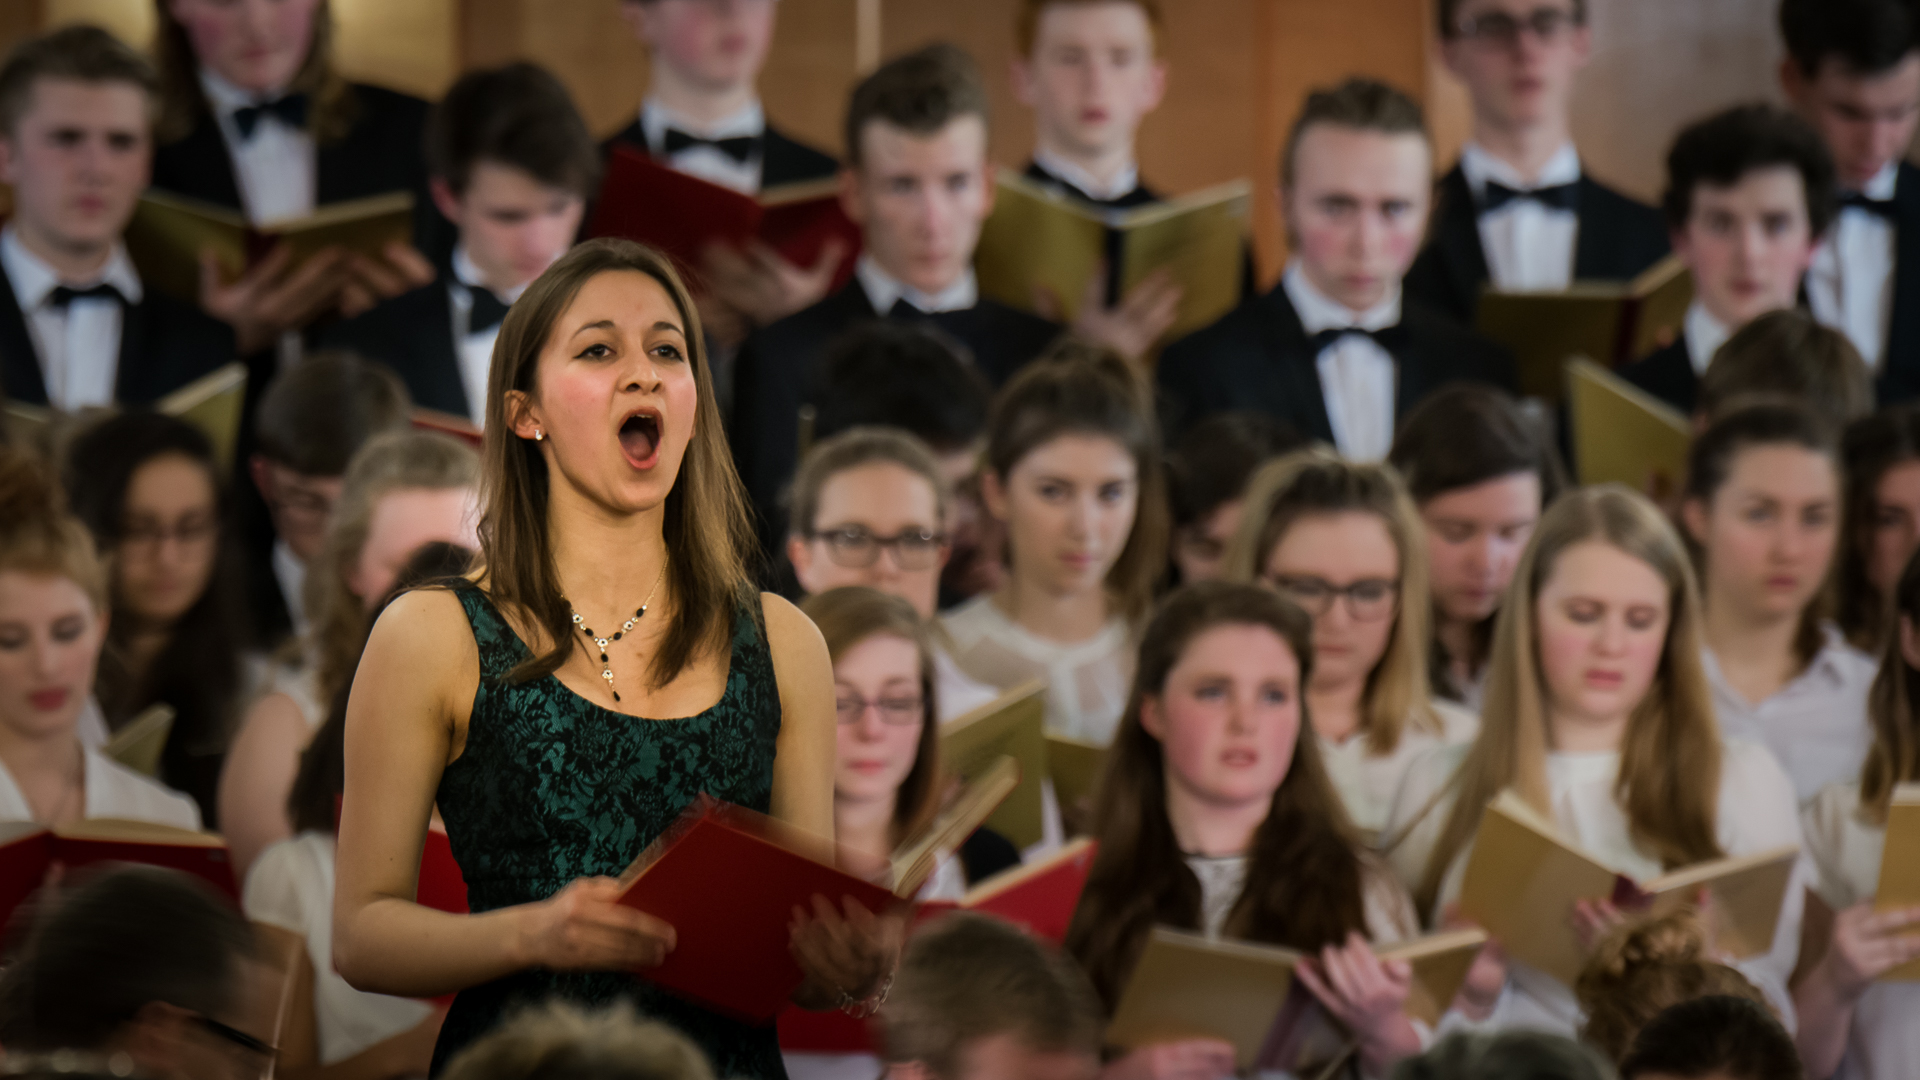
<point>214,403</point>
<point>1622,434</point>
<point>168,232</point>
<point>1011,725</point>
<point>1075,766</point>
<point>1613,322</point>
<point>1900,866</point>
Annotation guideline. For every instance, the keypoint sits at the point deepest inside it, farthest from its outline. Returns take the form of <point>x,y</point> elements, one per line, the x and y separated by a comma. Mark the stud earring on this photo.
<point>538,435</point>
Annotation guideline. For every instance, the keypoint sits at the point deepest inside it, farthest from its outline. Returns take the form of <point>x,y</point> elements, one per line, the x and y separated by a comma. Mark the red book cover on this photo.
<point>26,851</point>
<point>1039,897</point>
<point>442,886</point>
<point>458,427</point>
<point>199,854</point>
<point>727,880</point>
<point>833,1032</point>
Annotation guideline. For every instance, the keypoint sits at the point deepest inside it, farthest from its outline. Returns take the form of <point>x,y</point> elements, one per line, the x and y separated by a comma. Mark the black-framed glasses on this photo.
<point>856,547</point>
<point>235,1037</point>
<point>1368,600</point>
<point>899,711</point>
<point>1502,29</point>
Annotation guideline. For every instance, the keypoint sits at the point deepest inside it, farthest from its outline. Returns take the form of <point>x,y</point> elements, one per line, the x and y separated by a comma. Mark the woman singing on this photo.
<point>608,661</point>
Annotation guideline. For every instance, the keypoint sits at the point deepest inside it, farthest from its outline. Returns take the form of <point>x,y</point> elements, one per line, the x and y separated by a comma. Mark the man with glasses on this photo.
<point>1518,210</point>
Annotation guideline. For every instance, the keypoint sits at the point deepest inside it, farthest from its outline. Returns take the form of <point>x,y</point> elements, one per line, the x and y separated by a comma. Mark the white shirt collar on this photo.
<point>33,279</point>
<point>1705,335</point>
<point>1883,183</point>
<point>226,97</point>
<point>467,273</point>
<point>1479,166</point>
<point>1319,312</point>
<point>883,290</point>
<point>1122,184</point>
<point>655,118</point>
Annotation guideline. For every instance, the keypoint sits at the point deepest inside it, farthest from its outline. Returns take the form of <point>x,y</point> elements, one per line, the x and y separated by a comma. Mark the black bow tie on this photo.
<point>291,109</point>
<point>1390,338</point>
<point>1556,197</point>
<point>1882,208</point>
<point>740,148</point>
<point>487,310</point>
<point>63,295</point>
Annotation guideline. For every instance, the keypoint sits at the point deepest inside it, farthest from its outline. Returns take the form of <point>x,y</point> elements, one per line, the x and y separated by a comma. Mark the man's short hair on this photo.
<point>851,449</point>
<point>1867,37</point>
<point>556,1039</point>
<point>315,415</point>
<point>968,978</point>
<point>1723,149</point>
<point>117,943</point>
<point>1788,354</point>
<point>921,93</point>
<point>519,116</point>
<point>1714,1036</point>
<point>1447,12</point>
<point>1360,104</point>
<point>1026,22</point>
<point>85,54</point>
<point>895,374</point>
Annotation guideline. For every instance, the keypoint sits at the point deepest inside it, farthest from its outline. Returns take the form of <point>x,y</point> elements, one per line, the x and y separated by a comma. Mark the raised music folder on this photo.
<point>168,232</point>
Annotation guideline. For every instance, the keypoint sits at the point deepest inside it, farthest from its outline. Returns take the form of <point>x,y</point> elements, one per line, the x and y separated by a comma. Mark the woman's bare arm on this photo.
<point>803,761</point>
<point>258,774</point>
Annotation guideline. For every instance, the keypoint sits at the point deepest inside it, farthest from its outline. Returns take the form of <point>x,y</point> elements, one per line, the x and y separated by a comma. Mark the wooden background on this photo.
<point>1239,68</point>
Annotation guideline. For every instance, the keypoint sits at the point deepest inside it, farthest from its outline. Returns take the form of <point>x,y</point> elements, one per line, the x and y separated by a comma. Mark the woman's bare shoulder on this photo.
<point>792,638</point>
<point>425,630</point>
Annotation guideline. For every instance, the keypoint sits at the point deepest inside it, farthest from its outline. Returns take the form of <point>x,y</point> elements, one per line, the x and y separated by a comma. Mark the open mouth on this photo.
<point>640,439</point>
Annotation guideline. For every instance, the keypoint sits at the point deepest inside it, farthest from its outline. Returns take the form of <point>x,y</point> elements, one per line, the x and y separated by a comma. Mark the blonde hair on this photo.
<point>558,1039</point>
<point>39,536</point>
<point>1642,968</point>
<point>1669,779</point>
<point>1316,482</point>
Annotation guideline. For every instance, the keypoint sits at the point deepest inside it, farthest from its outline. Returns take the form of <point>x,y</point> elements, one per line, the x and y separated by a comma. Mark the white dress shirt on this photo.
<point>275,169</point>
<point>112,791</point>
<point>1358,377</point>
<point>1705,334</point>
<point>475,349</point>
<point>1528,245</point>
<point>709,163</point>
<point>1367,782</point>
<point>78,345</point>
<point>1121,185</point>
<point>1087,681</point>
<point>1850,284</point>
<point>1816,725</point>
<point>884,290</point>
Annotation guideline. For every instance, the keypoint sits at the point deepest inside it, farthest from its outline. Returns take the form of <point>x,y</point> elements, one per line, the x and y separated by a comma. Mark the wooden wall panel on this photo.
<point>410,46</point>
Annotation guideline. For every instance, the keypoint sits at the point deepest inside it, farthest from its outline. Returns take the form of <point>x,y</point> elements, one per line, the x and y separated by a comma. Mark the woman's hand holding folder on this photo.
<point>584,927</point>
<point>849,954</point>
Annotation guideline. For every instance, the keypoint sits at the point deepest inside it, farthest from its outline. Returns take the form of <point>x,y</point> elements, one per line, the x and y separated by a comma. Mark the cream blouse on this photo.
<point>1087,681</point>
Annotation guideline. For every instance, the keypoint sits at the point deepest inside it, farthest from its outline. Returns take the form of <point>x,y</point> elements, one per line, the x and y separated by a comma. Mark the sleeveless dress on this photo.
<point>552,787</point>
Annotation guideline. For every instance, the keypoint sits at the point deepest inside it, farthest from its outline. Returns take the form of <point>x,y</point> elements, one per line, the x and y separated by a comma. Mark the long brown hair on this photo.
<point>183,104</point>
<point>1894,758</point>
<point>706,528</point>
<point>850,615</point>
<point>1871,448</point>
<point>1303,884</point>
<point>1669,781</point>
<point>1313,482</point>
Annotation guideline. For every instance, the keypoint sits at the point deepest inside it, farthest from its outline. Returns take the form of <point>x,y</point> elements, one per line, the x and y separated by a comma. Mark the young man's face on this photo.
<point>78,160</point>
<point>1748,244</point>
<point>920,199</point>
<point>1356,209</point>
<point>1093,76</point>
<point>1866,120</point>
<point>512,225</point>
<point>716,44</point>
<point>1516,75</point>
<point>301,505</point>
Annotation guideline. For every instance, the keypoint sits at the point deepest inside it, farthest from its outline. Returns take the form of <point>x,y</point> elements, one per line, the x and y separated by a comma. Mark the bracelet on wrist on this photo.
<point>862,1008</point>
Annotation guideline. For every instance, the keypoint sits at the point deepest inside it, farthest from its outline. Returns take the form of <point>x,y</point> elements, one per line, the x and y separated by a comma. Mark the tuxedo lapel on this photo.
<point>1900,366</point>
<point>199,165</point>
<point>1292,352</point>
<point>440,354</point>
<point>20,376</point>
<point>1460,262</point>
<point>1591,237</point>
<point>133,379</point>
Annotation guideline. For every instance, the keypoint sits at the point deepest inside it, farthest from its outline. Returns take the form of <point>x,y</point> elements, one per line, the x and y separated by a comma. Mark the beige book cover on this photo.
<point>168,232</point>
<point>1188,987</point>
<point>1900,866</point>
<point>214,403</point>
<point>1011,725</point>
<point>138,744</point>
<point>1075,766</point>
<point>1440,964</point>
<point>1747,892</point>
<point>916,859</point>
<point>1613,322</point>
<point>1622,434</point>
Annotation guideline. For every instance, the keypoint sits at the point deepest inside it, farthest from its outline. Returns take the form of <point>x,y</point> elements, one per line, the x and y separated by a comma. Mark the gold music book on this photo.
<point>138,744</point>
<point>1011,725</point>
<point>1622,434</point>
<point>1075,766</point>
<point>1900,866</point>
<point>1612,322</point>
<point>214,403</point>
<point>168,232</point>
<point>916,859</point>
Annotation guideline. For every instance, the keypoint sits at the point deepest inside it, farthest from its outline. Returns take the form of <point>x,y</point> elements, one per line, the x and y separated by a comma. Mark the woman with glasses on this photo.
<point>149,488</point>
<point>1343,541</point>
<point>1073,473</point>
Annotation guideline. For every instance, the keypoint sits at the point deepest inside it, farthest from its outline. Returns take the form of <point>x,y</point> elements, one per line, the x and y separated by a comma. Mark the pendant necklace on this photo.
<point>606,668</point>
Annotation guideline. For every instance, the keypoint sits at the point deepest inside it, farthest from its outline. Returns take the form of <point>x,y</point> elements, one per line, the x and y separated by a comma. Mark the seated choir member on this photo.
<point>919,184</point>
<point>1509,1055</point>
<point>1519,210</point>
<point>343,1033</point>
<point>870,507</point>
<point>1644,966</point>
<point>1216,816</point>
<point>1072,473</point>
<point>150,490</point>
<point>1762,508</point>
<point>1481,471</point>
<point>1601,614</point>
<point>1091,71</point>
<point>1880,458</point>
<point>511,164</point>
<point>1853,71</point>
<point>137,970</point>
<point>1852,1024</point>
<point>1344,543</point>
<point>78,326</point>
<point>1336,349</point>
<point>53,623</point>
<point>402,490</point>
<point>1786,354</point>
<point>1207,474</point>
<point>977,999</point>
<point>1713,1038</point>
<point>1749,194</point>
<point>312,418</point>
<point>546,1041</point>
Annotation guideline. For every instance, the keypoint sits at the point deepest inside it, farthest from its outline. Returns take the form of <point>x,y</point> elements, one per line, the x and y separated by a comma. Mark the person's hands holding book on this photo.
<point>274,296</point>
<point>1366,994</point>
<point>584,927</point>
<point>849,954</point>
<point>1593,920</point>
<point>759,283</point>
<point>1188,1059</point>
<point>1485,980</point>
<point>1866,945</point>
<point>402,270</point>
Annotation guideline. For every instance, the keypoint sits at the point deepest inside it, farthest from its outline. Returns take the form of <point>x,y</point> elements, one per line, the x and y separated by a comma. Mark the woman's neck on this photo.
<point>1756,655</point>
<point>864,825</point>
<point>50,772</point>
<point>1526,147</point>
<point>1586,734</point>
<point>1335,709</point>
<point>599,583</point>
<point>1209,828</point>
<point>1069,617</point>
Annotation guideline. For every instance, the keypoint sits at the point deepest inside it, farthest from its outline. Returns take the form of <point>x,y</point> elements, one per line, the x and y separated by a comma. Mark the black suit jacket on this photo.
<point>1900,363</point>
<point>1259,357</point>
<point>164,345</point>
<point>1667,374</point>
<point>775,374</point>
<point>1617,239</point>
<point>1141,195</point>
<point>783,160</point>
<point>412,334</point>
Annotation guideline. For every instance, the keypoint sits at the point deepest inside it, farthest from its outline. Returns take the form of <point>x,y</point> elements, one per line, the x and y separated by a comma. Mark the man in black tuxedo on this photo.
<point>512,167</point>
<point>78,326</point>
<point>919,184</point>
<point>1853,71</point>
<point>1749,193</point>
<point>1518,210</point>
<point>1336,349</point>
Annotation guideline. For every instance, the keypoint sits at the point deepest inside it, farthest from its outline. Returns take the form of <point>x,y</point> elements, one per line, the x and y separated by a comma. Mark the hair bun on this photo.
<point>27,491</point>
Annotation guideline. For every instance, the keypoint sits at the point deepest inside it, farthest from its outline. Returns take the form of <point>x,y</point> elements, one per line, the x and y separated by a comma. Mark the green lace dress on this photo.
<point>552,787</point>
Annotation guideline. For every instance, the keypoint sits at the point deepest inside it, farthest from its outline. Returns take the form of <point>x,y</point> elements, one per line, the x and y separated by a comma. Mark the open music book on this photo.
<point>28,851</point>
<point>1900,866</point>
<point>1611,322</point>
<point>168,232</point>
<point>1622,434</point>
<point>1013,725</point>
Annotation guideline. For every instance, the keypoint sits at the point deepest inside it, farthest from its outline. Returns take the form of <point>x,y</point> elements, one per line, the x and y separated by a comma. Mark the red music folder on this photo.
<point>29,851</point>
<point>641,199</point>
<point>442,886</point>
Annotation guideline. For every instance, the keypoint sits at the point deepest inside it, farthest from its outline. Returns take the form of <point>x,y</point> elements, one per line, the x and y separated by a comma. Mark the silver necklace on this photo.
<point>606,667</point>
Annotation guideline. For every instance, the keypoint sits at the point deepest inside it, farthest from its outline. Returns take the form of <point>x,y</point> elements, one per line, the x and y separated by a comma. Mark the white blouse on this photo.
<point>1367,782</point>
<point>1884,1042</point>
<point>1756,812</point>
<point>112,791</point>
<point>1087,681</point>
<point>1815,725</point>
<point>291,886</point>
